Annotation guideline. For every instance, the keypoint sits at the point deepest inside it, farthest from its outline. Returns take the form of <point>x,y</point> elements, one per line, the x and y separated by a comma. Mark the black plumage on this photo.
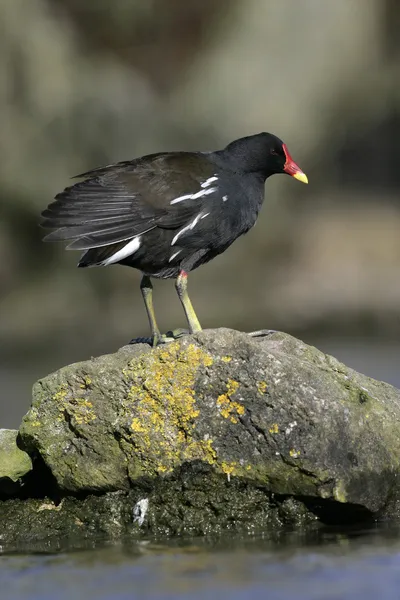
<point>166,214</point>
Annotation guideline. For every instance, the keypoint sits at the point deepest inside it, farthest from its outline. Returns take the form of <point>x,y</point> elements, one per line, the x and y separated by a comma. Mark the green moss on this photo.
<point>339,492</point>
<point>356,394</point>
<point>14,463</point>
<point>284,478</point>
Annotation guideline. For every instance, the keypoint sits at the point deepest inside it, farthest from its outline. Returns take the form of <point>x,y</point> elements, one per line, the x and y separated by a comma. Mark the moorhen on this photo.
<point>168,213</point>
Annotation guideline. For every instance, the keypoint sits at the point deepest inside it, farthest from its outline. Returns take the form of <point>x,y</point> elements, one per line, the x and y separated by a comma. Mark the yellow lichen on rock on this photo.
<point>79,409</point>
<point>229,468</point>
<point>208,452</point>
<point>161,402</point>
<point>262,387</point>
<point>229,409</point>
<point>274,428</point>
<point>87,382</point>
<point>137,426</point>
<point>226,359</point>
<point>61,394</point>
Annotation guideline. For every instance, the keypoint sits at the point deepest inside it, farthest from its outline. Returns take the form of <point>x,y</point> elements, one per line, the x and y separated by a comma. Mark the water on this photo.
<point>360,565</point>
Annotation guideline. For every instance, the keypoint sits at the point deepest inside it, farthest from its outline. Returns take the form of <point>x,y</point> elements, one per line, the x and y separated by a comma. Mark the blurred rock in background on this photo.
<point>87,83</point>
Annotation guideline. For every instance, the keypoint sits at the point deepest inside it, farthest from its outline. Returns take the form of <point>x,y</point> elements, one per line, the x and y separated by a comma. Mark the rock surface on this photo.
<point>14,463</point>
<point>213,432</point>
<point>271,411</point>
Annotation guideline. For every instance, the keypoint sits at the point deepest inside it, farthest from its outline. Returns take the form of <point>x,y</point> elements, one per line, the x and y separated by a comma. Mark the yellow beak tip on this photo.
<point>301,177</point>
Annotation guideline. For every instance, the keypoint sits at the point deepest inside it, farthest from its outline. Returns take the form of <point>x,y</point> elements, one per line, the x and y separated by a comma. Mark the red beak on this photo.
<point>292,169</point>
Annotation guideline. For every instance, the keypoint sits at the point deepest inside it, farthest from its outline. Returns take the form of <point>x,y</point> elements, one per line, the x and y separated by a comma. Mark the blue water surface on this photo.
<point>333,566</point>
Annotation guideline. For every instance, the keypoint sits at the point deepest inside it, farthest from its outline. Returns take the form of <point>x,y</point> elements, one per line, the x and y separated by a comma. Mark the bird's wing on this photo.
<point>118,202</point>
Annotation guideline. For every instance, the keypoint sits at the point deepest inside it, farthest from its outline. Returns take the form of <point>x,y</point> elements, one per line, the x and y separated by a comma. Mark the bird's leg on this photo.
<point>146,288</point>
<point>181,288</point>
<point>156,336</point>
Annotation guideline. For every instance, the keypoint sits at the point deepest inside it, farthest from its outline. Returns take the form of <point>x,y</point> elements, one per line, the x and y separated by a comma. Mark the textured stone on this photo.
<point>272,411</point>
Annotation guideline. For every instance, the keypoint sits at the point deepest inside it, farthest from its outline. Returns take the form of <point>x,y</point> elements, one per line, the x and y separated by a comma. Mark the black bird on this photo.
<point>168,213</point>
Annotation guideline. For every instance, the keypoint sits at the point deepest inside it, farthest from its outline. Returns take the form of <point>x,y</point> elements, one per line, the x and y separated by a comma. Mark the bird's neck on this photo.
<point>247,163</point>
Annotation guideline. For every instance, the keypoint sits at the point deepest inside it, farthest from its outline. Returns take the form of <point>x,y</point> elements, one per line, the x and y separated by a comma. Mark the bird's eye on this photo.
<point>274,152</point>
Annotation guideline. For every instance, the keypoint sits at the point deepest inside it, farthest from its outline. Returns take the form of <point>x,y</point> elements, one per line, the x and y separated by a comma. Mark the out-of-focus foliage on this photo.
<point>88,83</point>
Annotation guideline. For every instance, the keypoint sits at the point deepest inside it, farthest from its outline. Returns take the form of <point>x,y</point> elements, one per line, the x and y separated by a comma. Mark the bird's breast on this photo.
<point>238,209</point>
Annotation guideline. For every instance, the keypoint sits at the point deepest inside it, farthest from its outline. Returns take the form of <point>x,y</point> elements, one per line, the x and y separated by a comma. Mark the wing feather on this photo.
<point>118,202</point>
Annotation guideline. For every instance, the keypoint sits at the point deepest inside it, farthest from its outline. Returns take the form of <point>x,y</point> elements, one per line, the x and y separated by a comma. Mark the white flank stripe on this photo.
<point>199,194</point>
<point>130,248</point>
<point>209,181</point>
<point>180,233</point>
<point>204,216</point>
<point>180,198</point>
<point>190,226</point>
<point>173,256</point>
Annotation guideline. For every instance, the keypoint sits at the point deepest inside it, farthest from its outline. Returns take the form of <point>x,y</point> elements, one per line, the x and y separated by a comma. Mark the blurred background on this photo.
<point>84,84</point>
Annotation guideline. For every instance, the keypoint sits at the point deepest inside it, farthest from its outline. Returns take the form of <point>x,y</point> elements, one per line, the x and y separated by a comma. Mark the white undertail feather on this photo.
<point>131,247</point>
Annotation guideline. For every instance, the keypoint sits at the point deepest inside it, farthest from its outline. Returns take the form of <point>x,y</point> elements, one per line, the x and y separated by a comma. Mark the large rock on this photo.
<point>270,412</point>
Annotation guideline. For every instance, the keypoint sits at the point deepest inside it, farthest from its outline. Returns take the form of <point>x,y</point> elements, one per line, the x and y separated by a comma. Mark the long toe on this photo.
<point>142,340</point>
<point>262,333</point>
<point>159,339</point>
<point>177,333</point>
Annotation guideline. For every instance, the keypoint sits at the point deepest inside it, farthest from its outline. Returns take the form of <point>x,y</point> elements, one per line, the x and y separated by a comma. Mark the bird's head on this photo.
<point>266,154</point>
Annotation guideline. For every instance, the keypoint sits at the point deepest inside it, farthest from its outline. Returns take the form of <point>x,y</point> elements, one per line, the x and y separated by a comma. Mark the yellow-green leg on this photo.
<point>146,288</point>
<point>181,288</point>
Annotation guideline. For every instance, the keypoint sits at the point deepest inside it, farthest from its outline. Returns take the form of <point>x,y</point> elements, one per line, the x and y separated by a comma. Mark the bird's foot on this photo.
<point>153,340</point>
<point>142,340</point>
<point>175,334</point>
<point>262,333</point>
<point>160,338</point>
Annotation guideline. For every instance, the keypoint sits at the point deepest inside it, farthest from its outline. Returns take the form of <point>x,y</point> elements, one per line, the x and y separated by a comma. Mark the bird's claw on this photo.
<point>160,338</point>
